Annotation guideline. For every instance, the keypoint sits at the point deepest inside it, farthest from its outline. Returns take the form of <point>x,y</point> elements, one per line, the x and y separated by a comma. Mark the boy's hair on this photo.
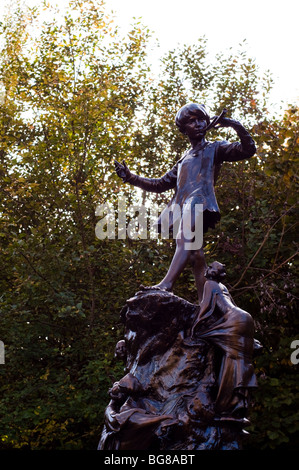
<point>189,109</point>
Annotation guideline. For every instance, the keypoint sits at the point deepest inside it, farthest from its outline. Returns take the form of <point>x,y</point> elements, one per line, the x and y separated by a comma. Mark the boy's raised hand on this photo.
<point>227,122</point>
<point>122,170</point>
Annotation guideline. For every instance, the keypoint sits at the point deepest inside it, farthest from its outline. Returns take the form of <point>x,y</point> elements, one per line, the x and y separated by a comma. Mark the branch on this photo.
<point>281,264</point>
<point>36,272</point>
<point>261,246</point>
<point>279,245</point>
<point>273,271</point>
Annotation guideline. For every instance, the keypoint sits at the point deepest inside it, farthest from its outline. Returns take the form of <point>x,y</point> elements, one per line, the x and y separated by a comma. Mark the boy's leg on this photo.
<point>184,255</point>
<point>199,267</point>
<point>180,259</point>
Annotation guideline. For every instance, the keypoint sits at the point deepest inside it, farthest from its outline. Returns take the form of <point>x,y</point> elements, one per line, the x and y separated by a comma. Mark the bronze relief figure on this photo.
<point>231,330</point>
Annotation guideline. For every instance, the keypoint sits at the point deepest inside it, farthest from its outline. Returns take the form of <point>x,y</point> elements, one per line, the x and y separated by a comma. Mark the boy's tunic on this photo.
<point>193,178</point>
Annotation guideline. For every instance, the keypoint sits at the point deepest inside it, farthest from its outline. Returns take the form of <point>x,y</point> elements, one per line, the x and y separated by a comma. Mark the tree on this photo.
<point>71,91</point>
<point>75,95</point>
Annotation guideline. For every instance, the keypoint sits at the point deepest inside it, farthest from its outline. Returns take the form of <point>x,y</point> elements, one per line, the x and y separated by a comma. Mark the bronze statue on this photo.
<point>181,392</point>
<point>127,425</point>
<point>231,330</point>
<point>188,368</point>
<point>120,350</point>
<point>193,178</point>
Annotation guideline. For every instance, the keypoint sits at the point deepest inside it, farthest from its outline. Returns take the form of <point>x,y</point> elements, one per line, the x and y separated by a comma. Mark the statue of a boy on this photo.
<point>193,178</point>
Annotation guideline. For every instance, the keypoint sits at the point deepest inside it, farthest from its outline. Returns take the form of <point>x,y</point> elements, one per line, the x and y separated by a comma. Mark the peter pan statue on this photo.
<point>193,177</point>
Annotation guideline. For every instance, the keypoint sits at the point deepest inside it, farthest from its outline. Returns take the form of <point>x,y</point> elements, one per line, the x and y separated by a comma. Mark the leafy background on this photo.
<point>75,94</point>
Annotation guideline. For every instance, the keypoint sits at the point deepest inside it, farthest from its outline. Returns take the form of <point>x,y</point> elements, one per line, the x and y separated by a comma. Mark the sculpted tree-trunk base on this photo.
<point>180,390</point>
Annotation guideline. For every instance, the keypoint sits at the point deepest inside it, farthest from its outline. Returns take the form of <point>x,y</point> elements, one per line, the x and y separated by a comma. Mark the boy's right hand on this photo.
<point>122,170</point>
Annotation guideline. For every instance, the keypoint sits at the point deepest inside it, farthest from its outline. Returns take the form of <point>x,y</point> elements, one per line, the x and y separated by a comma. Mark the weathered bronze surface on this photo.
<point>174,395</point>
<point>188,368</point>
<point>231,329</point>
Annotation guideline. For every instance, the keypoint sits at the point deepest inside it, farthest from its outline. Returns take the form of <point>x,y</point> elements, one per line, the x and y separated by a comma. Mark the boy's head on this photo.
<point>190,109</point>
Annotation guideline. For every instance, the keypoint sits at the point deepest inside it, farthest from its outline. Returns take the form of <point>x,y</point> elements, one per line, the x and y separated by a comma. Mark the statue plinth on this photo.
<point>167,399</point>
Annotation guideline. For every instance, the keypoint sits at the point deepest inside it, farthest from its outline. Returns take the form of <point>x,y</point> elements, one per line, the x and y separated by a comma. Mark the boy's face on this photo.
<point>195,127</point>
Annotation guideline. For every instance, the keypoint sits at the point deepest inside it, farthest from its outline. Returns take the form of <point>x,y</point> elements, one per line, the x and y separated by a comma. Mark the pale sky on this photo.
<point>270,28</point>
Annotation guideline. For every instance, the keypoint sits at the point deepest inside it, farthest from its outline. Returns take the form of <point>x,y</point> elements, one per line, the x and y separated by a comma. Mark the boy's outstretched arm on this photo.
<point>235,151</point>
<point>155,185</point>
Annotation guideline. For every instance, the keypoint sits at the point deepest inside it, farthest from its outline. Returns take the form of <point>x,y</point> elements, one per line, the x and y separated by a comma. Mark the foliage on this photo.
<point>68,102</point>
<point>74,96</point>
